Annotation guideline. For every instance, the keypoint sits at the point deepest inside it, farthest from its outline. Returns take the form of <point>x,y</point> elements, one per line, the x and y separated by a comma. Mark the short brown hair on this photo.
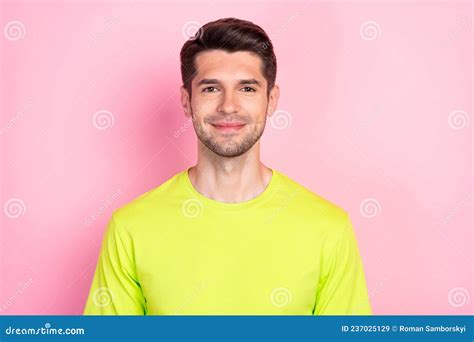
<point>231,35</point>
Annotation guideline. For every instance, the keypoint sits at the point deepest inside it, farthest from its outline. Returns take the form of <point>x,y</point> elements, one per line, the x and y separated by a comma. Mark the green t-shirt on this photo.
<point>173,251</point>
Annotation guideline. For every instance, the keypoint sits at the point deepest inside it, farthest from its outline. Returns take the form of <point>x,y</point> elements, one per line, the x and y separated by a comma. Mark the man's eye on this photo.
<point>206,90</point>
<point>251,89</point>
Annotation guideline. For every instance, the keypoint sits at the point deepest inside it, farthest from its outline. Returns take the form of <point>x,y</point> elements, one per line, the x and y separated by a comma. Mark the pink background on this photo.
<point>374,115</point>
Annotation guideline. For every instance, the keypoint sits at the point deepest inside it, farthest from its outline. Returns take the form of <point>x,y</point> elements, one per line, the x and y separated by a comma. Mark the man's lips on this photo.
<point>228,126</point>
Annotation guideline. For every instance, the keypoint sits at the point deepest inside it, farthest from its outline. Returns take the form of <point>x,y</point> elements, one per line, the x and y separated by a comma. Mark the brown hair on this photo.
<point>230,35</point>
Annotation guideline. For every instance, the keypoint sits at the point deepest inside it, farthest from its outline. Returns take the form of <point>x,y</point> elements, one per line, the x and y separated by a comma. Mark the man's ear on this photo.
<point>273,100</point>
<point>186,102</point>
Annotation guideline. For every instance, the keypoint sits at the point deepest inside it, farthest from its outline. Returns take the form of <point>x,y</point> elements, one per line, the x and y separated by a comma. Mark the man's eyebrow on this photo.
<point>250,81</point>
<point>216,81</point>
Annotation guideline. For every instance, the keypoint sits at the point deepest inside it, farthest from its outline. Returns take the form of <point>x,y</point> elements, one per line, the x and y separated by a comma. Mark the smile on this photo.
<point>228,127</point>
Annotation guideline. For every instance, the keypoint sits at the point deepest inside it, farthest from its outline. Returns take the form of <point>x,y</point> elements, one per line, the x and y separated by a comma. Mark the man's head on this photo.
<point>229,71</point>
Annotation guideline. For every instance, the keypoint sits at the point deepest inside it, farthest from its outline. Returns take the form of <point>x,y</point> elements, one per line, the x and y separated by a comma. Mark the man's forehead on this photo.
<point>240,64</point>
<point>217,55</point>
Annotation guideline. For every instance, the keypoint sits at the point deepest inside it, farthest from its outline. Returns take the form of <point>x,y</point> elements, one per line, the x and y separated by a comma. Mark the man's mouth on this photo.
<point>228,126</point>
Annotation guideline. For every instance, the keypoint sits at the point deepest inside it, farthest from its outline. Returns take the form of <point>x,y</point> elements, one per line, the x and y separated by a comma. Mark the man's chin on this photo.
<point>226,150</point>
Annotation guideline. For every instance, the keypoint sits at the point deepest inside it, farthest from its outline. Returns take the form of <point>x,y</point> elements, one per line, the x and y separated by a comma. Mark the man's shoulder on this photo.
<point>149,202</point>
<point>311,204</point>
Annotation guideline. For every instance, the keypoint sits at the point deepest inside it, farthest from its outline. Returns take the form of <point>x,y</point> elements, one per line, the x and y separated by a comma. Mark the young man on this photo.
<point>229,236</point>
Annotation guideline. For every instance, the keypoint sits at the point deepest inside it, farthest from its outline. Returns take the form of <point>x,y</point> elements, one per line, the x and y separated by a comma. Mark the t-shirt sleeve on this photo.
<point>342,288</point>
<point>115,289</point>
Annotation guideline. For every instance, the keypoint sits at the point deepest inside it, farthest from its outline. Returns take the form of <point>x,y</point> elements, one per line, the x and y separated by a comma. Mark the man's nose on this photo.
<point>228,103</point>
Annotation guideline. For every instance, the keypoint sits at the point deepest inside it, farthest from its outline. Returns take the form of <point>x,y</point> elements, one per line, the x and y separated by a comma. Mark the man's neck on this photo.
<point>230,180</point>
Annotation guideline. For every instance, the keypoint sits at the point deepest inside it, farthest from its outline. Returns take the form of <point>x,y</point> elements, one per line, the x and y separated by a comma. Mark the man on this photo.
<point>229,236</point>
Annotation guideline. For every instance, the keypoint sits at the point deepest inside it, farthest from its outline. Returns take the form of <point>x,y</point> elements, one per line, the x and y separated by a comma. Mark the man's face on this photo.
<point>229,102</point>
